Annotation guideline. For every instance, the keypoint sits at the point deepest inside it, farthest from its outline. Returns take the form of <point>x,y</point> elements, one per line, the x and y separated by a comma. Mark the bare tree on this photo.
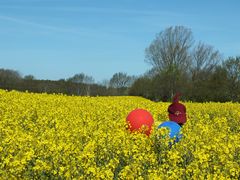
<point>81,78</point>
<point>170,49</point>
<point>233,68</point>
<point>84,80</point>
<point>105,83</point>
<point>204,59</point>
<point>120,80</point>
<point>170,56</point>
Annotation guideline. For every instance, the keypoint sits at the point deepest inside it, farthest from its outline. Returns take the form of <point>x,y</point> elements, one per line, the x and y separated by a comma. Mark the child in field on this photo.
<point>177,118</point>
<point>177,111</point>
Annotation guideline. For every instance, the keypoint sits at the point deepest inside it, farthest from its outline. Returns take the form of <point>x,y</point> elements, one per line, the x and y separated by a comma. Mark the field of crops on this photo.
<point>65,137</point>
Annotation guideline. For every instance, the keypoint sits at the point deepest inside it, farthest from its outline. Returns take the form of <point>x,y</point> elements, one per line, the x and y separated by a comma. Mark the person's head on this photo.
<point>177,111</point>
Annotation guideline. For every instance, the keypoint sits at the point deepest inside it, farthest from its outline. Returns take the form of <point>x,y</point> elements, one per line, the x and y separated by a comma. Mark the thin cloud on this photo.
<point>121,11</point>
<point>34,24</point>
<point>78,31</point>
<point>100,10</point>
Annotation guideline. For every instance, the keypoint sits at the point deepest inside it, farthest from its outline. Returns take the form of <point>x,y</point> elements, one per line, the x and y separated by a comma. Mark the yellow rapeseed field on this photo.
<point>46,136</point>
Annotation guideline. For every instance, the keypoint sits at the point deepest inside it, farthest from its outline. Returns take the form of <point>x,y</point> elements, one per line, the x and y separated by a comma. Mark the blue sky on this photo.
<point>54,39</point>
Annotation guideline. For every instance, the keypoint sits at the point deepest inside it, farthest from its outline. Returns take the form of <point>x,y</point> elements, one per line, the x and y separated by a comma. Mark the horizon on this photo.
<point>55,40</point>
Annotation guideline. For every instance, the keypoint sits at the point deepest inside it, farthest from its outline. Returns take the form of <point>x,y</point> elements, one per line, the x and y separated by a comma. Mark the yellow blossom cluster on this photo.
<point>54,136</point>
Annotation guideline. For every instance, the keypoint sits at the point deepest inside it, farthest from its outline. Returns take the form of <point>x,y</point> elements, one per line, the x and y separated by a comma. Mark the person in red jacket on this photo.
<point>177,111</point>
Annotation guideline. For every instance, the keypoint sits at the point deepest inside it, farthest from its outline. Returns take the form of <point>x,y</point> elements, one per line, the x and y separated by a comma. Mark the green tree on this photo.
<point>9,79</point>
<point>232,66</point>
<point>29,77</point>
<point>218,85</point>
<point>142,87</point>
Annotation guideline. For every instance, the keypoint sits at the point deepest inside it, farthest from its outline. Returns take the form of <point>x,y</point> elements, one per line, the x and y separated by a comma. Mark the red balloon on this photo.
<point>140,120</point>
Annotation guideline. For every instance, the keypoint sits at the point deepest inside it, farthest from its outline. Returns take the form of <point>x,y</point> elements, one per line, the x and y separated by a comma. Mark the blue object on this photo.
<point>174,129</point>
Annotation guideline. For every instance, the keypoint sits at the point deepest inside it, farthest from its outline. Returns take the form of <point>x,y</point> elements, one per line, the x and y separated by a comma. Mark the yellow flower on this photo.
<point>72,137</point>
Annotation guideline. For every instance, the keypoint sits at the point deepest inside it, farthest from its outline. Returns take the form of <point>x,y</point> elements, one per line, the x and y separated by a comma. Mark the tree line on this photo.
<point>179,64</point>
<point>196,69</point>
<point>79,84</point>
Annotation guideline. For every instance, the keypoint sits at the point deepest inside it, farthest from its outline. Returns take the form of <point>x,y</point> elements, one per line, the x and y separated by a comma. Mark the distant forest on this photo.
<point>79,84</point>
<point>179,64</point>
